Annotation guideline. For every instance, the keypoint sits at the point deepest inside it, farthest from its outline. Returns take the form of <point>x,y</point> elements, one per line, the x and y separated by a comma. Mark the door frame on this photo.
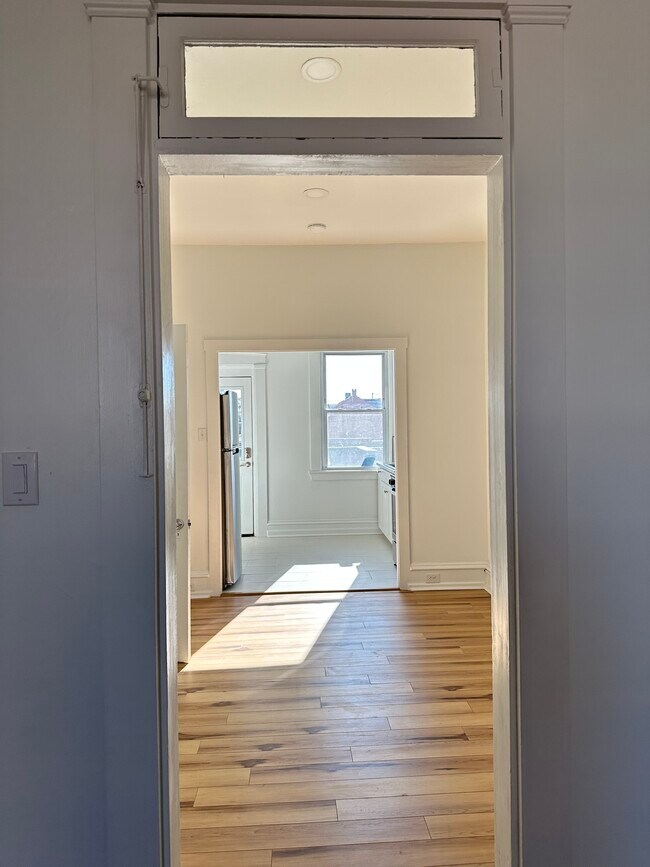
<point>501,447</point>
<point>183,594</point>
<point>214,347</point>
<point>253,365</point>
<point>247,411</point>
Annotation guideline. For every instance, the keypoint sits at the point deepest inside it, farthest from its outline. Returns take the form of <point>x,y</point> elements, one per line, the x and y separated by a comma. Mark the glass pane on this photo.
<point>354,439</point>
<point>354,382</point>
<point>329,81</point>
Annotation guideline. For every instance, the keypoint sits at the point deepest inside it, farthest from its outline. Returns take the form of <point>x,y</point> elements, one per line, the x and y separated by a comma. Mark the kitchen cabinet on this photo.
<point>385,504</point>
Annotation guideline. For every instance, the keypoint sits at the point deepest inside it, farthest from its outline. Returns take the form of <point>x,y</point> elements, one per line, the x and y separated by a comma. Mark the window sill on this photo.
<point>343,475</point>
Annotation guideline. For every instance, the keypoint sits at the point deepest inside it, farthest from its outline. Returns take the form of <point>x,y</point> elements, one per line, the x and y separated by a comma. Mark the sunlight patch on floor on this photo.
<point>266,636</point>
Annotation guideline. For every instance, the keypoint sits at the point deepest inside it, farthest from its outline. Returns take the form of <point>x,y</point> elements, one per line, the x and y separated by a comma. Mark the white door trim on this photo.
<point>213,347</point>
<point>254,364</point>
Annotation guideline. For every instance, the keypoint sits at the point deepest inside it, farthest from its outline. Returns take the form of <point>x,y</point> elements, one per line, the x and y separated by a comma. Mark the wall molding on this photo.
<point>119,8</point>
<point>519,13</point>
<point>200,586</point>
<point>322,528</point>
<point>453,576</point>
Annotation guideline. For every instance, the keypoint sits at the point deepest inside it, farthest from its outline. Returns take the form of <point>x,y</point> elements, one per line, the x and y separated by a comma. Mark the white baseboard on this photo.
<point>200,585</point>
<point>322,528</point>
<point>452,576</point>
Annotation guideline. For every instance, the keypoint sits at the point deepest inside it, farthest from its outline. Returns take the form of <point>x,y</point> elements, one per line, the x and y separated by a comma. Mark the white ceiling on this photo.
<point>272,210</point>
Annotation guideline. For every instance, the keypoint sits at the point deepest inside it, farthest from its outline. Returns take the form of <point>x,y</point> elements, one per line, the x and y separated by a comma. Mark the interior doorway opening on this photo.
<point>304,419</point>
<point>210,643</point>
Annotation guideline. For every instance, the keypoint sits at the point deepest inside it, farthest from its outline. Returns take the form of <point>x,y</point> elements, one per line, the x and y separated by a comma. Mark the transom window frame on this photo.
<point>319,469</point>
<point>483,35</point>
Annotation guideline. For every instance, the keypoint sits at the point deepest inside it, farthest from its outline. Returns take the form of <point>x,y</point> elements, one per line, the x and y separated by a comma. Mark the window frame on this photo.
<point>483,35</point>
<point>320,470</point>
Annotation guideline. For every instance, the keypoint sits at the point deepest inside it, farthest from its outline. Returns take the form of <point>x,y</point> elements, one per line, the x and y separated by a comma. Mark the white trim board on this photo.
<point>253,364</point>
<point>423,157</point>
<point>200,585</point>
<point>323,528</point>
<point>453,576</point>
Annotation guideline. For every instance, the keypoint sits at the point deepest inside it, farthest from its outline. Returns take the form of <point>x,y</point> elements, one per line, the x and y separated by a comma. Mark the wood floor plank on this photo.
<point>474,852</point>
<point>260,814</point>
<point>430,806</point>
<point>272,759</point>
<point>344,711</point>
<point>275,741</point>
<point>340,789</point>
<point>214,777</point>
<point>350,770</point>
<point>301,836</point>
<point>239,730</point>
<point>468,824</point>
<point>415,721</point>
<point>255,858</point>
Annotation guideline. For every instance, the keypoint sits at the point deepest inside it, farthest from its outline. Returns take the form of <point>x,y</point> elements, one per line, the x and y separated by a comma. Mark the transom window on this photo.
<point>329,77</point>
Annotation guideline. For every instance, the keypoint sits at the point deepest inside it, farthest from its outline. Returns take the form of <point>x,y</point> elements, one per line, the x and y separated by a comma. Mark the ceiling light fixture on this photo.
<point>316,228</point>
<point>321,69</point>
<point>316,192</point>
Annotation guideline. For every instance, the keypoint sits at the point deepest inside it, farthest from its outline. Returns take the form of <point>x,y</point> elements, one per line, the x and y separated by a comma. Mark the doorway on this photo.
<point>242,626</point>
<point>462,575</point>
<point>329,416</point>
<point>242,387</point>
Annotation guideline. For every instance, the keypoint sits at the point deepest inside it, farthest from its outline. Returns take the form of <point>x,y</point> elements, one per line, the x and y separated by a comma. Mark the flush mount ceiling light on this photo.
<point>321,69</point>
<point>316,227</point>
<point>316,193</point>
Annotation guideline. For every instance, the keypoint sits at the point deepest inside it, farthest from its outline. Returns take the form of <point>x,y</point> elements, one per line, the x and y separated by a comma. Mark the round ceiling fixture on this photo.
<point>316,193</point>
<point>316,228</point>
<point>321,69</point>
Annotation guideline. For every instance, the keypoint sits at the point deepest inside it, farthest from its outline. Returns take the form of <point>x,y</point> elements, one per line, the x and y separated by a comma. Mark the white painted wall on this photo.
<point>293,496</point>
<point>432,294</point>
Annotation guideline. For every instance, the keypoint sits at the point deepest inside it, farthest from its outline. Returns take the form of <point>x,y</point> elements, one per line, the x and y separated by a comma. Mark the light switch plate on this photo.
<point>20,478</point>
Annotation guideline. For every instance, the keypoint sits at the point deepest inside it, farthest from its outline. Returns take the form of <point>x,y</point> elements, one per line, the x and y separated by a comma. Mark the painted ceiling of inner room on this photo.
<point>273,210</point>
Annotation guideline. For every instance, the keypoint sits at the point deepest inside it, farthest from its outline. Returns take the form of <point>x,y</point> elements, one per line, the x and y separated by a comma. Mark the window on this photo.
<point>226,80</point>
<point>353,409</point>
<point>330,77</point>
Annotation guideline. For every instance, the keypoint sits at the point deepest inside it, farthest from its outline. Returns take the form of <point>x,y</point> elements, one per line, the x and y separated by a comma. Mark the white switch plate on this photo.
<point>20,478</point>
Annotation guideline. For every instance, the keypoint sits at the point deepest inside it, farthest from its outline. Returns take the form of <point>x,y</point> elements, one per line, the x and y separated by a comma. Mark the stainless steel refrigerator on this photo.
<point>231,502</point>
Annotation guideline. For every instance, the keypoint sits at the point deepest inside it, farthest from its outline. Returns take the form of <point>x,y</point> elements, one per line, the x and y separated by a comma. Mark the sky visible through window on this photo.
<point>343,373</point>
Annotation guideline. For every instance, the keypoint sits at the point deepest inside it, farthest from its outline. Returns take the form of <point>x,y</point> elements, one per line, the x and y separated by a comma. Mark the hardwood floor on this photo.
<point>332,729</point>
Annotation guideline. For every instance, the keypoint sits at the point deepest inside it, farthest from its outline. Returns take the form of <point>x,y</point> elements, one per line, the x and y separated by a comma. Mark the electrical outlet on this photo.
<point>432,578</point>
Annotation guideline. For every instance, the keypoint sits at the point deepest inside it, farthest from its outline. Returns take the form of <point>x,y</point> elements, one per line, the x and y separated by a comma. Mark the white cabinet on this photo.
<point>385,505</point>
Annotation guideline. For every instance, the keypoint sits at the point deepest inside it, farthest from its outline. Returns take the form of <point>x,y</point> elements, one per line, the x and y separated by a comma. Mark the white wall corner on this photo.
<point>450,576</point>
<point>520,13</point>
<point>119,8</point>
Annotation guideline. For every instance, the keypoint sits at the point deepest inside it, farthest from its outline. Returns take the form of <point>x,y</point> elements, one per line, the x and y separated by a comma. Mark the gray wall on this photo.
<point>77,756</point>
<point>52,739</point>
<point>608,426</point>
<point>78,752</point>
